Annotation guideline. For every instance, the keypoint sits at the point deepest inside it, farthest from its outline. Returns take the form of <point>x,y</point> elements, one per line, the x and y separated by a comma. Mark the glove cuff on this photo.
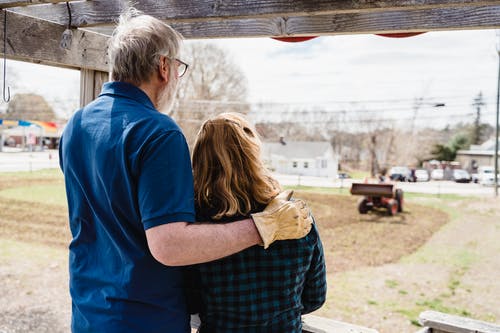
<point>266,231</point>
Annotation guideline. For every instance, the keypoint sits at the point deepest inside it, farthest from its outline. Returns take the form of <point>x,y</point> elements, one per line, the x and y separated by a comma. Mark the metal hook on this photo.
<point>67,35</point>
<point>6,99</point>
<point>69,14</point>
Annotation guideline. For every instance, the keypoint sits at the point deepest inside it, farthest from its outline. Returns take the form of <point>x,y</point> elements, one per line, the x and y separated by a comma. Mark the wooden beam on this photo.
<point>91,84</point>
<point>21,3</point>
<point>352,23</point>
<point>316,324</point>
<point>102,12</point>
<point>37,41</point>
<point>446,323</point>
<point>394,22</point>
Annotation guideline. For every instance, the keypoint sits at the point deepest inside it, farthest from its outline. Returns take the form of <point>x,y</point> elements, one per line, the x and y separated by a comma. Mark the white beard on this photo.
<point>166,100</point>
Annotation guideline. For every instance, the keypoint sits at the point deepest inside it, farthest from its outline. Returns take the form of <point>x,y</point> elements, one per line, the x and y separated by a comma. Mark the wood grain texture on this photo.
<point>351,23</point>
<point>21,3</point>
<point>102,12</point>
<point>91,84</point>
<point>37,41</point>
<point>398,21</point>
<point>315,324</point>
<point>445,323</point>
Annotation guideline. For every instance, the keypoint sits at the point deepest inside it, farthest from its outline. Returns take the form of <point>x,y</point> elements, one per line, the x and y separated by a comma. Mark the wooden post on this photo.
<point>316,324</point>
<point>90,84</point>
<point>2,139</point>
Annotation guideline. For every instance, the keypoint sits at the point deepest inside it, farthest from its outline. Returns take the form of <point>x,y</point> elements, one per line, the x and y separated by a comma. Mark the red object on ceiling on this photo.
<point>401,34</point>
<point>294,39</point>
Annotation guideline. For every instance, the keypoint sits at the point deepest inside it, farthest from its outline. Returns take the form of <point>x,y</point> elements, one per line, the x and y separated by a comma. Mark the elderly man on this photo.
<point>129,187</point>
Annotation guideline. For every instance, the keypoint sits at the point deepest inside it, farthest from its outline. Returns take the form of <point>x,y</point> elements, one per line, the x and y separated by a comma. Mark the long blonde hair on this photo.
<point>228,172</point>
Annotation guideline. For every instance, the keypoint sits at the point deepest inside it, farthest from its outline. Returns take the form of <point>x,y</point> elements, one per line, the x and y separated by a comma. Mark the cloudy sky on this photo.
<point>339,74</point>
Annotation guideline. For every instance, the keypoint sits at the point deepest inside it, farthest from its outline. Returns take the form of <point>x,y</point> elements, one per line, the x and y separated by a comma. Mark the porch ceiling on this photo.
<point>35,27</point>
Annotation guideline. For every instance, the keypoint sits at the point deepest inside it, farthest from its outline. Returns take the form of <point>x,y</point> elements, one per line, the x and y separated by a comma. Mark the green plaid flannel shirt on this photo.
<point>257,290</point>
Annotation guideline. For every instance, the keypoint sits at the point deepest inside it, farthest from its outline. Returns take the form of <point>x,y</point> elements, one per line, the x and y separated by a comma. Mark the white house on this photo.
<point>301,158</point>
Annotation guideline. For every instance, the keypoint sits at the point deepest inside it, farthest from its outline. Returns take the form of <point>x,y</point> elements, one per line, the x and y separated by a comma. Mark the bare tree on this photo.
<point>29,107</point>
<point>212,85</point>
<point>379,142</point>
<point>212,75</point>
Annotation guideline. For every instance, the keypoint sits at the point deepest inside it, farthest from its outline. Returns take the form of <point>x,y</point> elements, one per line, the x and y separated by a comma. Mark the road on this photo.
<point>12,160</point>
<point>431,187</point>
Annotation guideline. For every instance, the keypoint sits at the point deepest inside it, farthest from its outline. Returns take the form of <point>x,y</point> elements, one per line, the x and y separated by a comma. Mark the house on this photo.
<point>314,158</point>
<point>477,155</point>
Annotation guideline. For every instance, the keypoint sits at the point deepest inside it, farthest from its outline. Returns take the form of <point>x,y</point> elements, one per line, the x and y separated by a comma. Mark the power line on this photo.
<point>427,100</point>
<point>451,111</point>
<point>344,121</point>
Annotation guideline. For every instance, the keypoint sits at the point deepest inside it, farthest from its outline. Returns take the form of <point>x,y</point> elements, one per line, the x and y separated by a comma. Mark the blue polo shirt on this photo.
<point>126,168</point>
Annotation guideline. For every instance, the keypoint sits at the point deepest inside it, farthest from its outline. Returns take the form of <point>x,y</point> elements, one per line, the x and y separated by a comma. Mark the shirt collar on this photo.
<point>126,90</point>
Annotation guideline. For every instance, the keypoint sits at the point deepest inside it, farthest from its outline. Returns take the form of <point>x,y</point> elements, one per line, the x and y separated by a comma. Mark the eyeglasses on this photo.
<point>181,68</point>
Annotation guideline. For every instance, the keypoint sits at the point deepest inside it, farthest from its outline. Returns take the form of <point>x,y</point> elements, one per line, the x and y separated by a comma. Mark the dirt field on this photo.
<point>382,271</point>
<point>456,271</point>
<point>352,240</point>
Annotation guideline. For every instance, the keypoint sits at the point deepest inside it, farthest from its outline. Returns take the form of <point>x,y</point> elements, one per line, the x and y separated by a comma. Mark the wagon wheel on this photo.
<point>363,206</point>
<point>392,207</point>
<point>399,199</point>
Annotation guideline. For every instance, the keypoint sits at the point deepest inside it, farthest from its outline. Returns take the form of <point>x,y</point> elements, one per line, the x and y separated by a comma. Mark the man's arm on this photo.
<point>181,243</point>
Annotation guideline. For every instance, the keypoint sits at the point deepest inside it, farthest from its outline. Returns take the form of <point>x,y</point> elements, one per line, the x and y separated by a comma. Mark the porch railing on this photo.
<point>433,322</point>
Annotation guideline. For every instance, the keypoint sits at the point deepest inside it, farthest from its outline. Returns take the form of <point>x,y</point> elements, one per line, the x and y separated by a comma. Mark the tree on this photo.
<point>29,107</point>
<point>212,85</point>
<point>212,75</point>
<point>374,164</point>
<point>378,141</point>
<point>289,131</point>
<point>348,146</point>
<point>443,153</point>
<point>449,151</point>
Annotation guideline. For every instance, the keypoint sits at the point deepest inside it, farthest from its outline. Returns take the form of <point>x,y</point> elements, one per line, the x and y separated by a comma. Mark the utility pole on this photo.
<point>478,103</point>
<point>417,105</point>
<point>496,124</point>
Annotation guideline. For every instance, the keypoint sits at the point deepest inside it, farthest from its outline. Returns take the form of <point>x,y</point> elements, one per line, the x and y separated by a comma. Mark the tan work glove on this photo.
<point>283,219</point>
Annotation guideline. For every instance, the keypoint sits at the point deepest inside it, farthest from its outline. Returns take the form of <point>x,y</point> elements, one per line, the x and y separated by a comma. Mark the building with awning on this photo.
<point>26,133</point>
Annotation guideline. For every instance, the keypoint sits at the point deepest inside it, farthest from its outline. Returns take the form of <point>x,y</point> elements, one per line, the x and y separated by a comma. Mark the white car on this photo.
<point>401,173</point>
<point>437,174</point>
<point>461,176</point>
<point>422,175</point>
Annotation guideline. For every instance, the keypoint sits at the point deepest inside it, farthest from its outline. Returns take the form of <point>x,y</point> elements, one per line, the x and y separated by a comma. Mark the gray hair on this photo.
<point>137,44</point>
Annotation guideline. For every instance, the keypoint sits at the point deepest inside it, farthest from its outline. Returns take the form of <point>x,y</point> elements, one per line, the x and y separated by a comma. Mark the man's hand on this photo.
<point>283,219</point>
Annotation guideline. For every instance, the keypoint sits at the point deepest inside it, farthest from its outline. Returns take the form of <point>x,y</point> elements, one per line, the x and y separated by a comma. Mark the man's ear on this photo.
<point>164,68</point>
